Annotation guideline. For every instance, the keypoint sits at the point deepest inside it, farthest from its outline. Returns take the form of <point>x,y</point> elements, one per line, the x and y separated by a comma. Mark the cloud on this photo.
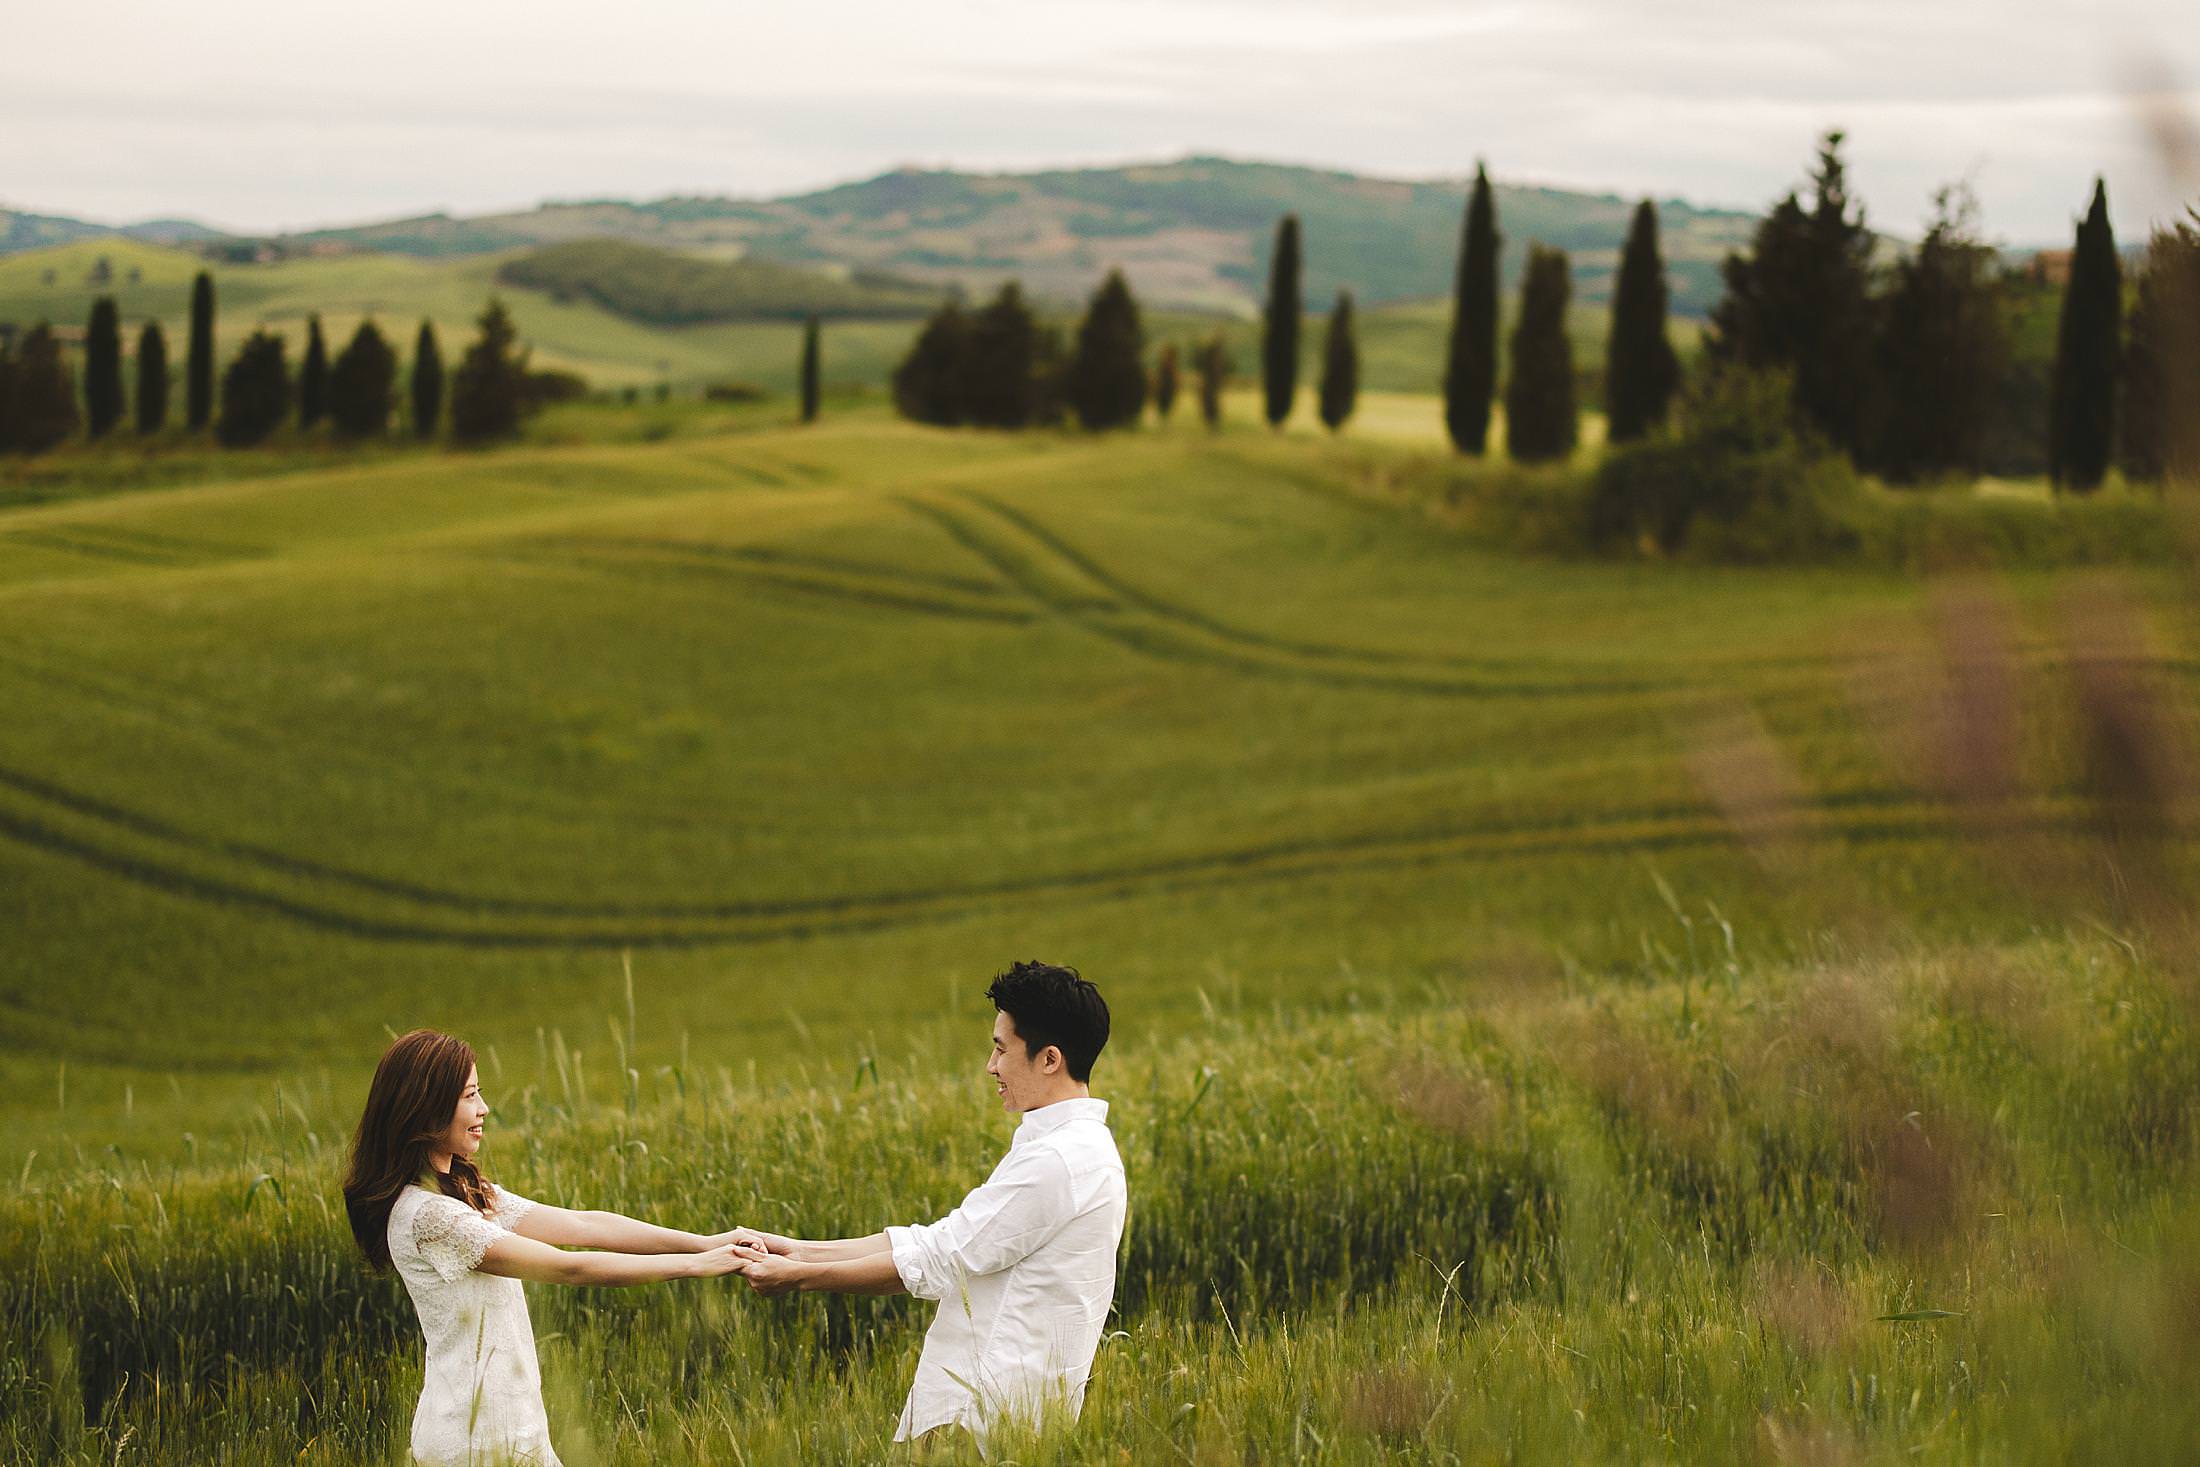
<point>265,115</point>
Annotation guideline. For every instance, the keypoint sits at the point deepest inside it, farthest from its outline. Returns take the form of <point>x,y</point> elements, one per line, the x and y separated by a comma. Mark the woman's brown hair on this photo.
<point>409,1107</point>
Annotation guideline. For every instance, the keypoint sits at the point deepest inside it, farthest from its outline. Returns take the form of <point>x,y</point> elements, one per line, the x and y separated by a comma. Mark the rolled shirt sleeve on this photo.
<point>1025,1202</point>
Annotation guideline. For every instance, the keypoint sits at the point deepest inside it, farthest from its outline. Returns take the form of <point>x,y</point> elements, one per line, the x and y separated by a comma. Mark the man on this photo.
<point>1024,1269</point>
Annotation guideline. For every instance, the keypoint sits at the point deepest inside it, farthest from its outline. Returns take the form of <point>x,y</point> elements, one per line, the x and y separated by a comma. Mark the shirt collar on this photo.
<point>1048,1117</point>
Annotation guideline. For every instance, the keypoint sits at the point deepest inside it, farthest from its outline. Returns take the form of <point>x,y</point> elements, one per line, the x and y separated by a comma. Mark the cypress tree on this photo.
<point>42,405</point>
<point>1279,335</point>
<point>1003,386</point>
<point>489,389</point>
<point>7,391</point>
<point>929,384</point>
<point>255,392</point>
<point>1340,388</point>
<point>103,368</point>
<point>1942,352</point>
<point>152,379</point>
<point>313,376</point>
<point>2088,347</point>
<point>1106,382</point>
<point>1213,364</point>
<point>1801,301</point>
<point>1540,418</point>
<point>198,380</point>
<point>1641,372</point>
<point>427,382</point>
<point>1165,381</point>
<point>2160,423</point>
<point>809,370</point>
<point>362,385</point>
<point>1470,362</point>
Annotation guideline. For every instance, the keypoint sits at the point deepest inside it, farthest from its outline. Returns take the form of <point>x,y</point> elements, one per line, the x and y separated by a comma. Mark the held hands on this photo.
<point>755,1238</point>
<point>770,1271</point>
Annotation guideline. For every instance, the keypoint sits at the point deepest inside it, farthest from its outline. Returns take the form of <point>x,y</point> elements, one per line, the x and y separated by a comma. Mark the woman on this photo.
<point>461,1243</point>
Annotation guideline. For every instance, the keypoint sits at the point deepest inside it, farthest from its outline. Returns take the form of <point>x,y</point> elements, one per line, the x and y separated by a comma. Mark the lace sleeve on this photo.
<point>451,1236</point>
<point>511,1207</point>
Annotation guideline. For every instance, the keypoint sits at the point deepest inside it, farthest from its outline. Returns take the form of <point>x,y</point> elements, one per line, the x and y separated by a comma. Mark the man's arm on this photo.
<point>870,1272</point>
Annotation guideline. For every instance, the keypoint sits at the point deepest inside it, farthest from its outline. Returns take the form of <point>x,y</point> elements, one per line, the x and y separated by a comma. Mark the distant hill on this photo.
<point>21,231</point>
<point>668,288</point>
<point>1191,234</point>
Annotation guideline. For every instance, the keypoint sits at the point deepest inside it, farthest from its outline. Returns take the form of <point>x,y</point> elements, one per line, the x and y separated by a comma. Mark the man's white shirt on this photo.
<point>1024,1272</point>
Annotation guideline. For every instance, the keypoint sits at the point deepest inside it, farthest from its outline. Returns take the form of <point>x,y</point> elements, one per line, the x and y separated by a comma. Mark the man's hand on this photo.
<point>769,1272</point>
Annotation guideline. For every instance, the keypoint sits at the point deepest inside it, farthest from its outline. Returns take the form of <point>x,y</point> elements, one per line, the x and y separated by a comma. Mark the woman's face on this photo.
<point>463,1138</point>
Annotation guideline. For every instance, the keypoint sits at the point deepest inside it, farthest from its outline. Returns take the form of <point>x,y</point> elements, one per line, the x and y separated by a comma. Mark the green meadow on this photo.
<point>1566,1008</point>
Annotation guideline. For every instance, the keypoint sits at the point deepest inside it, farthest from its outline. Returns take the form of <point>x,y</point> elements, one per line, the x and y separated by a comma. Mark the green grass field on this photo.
<point>1503,893</point>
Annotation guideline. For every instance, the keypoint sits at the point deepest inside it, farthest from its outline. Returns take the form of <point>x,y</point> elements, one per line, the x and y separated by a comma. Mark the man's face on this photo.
<point>1022,1078</point>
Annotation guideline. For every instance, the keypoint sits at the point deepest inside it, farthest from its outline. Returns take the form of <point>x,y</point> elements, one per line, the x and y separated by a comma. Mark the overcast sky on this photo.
<point>271,114</point>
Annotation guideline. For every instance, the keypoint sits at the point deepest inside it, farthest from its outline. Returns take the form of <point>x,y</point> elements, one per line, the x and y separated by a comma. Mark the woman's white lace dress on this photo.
<point>481,1401</point>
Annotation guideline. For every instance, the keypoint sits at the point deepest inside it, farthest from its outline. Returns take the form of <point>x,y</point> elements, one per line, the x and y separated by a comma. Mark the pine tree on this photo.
<point>809,370</point>
<point>1470,363</point>
<point>1943,352</point>
<point>1106,381</point>
<point>42,403</point>
<point>1641,372</point>
<point>7,392</point>
<point>2088,350</point>
<point>489,389</point>
<point>1801,301</point>
<point>152,379</point>
<point>427,382</point>
<point>255,392</point>
<point>1340,389</point>
<point>929,383</point>
<point>362,385</point>
<point>1165,381</point>
<point>1213,364</point>
<point>313,377</point>
<point>1005,386</point>
<point>2160,423</point>
<point>198,381</point>
<point>1540,418</point>
<point>102,368</point>
<point>1279,335</point>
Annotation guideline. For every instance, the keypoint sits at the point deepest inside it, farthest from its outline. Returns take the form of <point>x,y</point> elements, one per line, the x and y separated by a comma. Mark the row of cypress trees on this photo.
<point>1002,367</point>
<point>355,394</point>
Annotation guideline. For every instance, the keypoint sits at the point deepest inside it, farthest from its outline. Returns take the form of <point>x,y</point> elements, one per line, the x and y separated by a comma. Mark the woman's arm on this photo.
<point>617,1232</point>
<point>517,1256</point>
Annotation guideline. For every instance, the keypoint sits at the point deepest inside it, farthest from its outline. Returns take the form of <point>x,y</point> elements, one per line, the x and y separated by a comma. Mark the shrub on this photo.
<point>1735,480</point>
<point>255,392</point>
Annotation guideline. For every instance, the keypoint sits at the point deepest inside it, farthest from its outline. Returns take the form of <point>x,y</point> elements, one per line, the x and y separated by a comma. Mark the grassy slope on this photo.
<point>822,724</point>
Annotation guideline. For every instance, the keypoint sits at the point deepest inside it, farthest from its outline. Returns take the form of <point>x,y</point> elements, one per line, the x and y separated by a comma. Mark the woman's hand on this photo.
<point>759,1240</point>
<point>713,1262</point>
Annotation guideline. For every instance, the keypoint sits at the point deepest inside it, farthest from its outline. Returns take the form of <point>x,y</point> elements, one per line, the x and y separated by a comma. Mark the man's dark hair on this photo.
<point>1053,1005</point>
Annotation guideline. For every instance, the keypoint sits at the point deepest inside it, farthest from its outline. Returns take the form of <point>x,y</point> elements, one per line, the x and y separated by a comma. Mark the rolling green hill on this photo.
<point>665,288</point>
<point>811,723</point>
<point>1402,344</point>
<point>1192,234</point>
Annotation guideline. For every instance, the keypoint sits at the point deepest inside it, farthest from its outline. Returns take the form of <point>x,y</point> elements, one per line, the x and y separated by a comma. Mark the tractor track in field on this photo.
<point>876,587</point>
<point>157,854</point>
<point>1174,635</point>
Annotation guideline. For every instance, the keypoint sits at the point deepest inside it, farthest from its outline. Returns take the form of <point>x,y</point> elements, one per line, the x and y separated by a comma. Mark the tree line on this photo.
<point>355,393</point>
<point>1906,368</point>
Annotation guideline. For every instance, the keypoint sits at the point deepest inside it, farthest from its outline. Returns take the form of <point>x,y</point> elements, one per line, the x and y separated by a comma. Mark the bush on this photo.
<point>734,392</point>
<point>1736,479</point>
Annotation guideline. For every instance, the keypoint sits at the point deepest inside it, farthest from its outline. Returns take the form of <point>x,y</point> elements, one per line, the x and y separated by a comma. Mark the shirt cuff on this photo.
<point>909,1262</point>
